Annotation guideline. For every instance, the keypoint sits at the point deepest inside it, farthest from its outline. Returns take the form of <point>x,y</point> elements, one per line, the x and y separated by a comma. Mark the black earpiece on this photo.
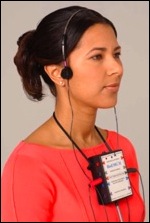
<point>66,72</point>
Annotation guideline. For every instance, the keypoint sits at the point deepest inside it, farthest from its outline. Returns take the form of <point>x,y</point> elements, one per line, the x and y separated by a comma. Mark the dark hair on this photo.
<point>43,46</point>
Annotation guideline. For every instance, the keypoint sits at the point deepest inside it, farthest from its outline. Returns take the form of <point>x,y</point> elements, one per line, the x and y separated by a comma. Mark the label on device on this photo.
<point>116,175</point>
<point>111,168</point>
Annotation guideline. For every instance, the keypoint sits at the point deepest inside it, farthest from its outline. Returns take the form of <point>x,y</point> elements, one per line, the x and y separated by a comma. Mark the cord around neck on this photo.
<point>66,133</point>
<point>74,143</point>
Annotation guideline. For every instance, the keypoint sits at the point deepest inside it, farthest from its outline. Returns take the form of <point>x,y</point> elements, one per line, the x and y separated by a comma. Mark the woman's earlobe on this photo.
<point>61,83</point>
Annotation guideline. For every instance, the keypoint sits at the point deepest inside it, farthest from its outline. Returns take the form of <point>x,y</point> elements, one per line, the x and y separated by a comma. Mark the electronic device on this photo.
<point>110,176</point>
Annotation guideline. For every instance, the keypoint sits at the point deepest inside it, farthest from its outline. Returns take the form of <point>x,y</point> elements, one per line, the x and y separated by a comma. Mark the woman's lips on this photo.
<point>112,87</point>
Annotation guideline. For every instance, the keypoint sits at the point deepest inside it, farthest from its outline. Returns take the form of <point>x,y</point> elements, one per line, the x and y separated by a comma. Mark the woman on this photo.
<point>57,173</point>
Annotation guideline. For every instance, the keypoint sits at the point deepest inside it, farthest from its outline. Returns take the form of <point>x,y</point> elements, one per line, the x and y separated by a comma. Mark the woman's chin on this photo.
<point>108,104</point>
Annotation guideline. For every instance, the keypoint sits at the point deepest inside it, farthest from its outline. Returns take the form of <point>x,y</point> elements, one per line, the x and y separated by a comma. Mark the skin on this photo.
<point>97,73</point>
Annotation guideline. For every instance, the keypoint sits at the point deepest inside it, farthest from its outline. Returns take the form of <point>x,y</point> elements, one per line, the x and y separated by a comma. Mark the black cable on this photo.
<point>143,193</point>
<point>102,203</point>
<point>72,114</point>
<point>91,204</point>
<point>117,127</point>
<point>106,144</point>
<point>58,123</point>
<point>129,219</point>
<point>75,151</point>
<point>134,170</point>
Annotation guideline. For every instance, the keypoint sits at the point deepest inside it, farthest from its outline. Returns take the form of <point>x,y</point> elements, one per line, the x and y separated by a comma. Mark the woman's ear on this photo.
<point>54,73</point>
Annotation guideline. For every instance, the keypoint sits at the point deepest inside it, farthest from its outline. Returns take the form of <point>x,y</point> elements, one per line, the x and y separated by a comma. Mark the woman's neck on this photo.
<point>79,124</point>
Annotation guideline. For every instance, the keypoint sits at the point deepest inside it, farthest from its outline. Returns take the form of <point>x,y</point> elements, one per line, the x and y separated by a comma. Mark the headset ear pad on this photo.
<point>66,73</point>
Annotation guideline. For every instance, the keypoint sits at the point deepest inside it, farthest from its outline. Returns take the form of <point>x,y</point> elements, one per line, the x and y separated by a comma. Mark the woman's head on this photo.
<point>43,46</point>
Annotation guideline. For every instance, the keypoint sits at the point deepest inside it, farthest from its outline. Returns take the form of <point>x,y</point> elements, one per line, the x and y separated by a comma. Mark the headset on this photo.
<point>66,72</point>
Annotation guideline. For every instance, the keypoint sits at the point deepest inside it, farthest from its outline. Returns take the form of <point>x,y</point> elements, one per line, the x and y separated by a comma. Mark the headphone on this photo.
<point>66,72</point>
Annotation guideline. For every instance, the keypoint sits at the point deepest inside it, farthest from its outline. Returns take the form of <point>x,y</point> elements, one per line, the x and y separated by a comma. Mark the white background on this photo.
<point>21,116</point>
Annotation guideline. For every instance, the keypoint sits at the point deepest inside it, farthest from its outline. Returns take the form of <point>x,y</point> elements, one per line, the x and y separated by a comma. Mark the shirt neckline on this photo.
<point>67,149</point>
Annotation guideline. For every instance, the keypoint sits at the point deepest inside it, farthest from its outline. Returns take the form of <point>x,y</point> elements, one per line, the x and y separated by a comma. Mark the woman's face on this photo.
<point>97,68</point>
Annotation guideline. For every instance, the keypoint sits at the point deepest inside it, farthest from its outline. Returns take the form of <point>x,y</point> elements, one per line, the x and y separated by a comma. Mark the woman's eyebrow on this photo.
<point>103,49</point>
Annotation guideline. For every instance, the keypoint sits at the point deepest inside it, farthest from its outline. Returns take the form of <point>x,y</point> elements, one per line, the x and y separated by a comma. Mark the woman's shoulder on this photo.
<point>113,135</point>
<point>47,135</point>
<point>31,156</point>
<point>122,142</point>
<point>34,147</point>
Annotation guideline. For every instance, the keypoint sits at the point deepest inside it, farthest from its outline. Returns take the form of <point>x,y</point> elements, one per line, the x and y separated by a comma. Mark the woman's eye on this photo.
<point>117,55</point>
<point>97,57</point>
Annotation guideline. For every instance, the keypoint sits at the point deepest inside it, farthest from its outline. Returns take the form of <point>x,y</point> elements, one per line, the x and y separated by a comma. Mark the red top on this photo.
<point>44,184</point>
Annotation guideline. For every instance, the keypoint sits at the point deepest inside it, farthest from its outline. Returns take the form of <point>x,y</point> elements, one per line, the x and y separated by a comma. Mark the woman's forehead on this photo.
<point>98,35</point>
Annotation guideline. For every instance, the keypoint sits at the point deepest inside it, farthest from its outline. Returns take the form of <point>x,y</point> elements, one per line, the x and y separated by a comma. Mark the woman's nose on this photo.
<point>114,67</point>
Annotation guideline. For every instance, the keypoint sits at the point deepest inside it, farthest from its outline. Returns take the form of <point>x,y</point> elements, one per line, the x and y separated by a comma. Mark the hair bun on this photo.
<point>26,39</point>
